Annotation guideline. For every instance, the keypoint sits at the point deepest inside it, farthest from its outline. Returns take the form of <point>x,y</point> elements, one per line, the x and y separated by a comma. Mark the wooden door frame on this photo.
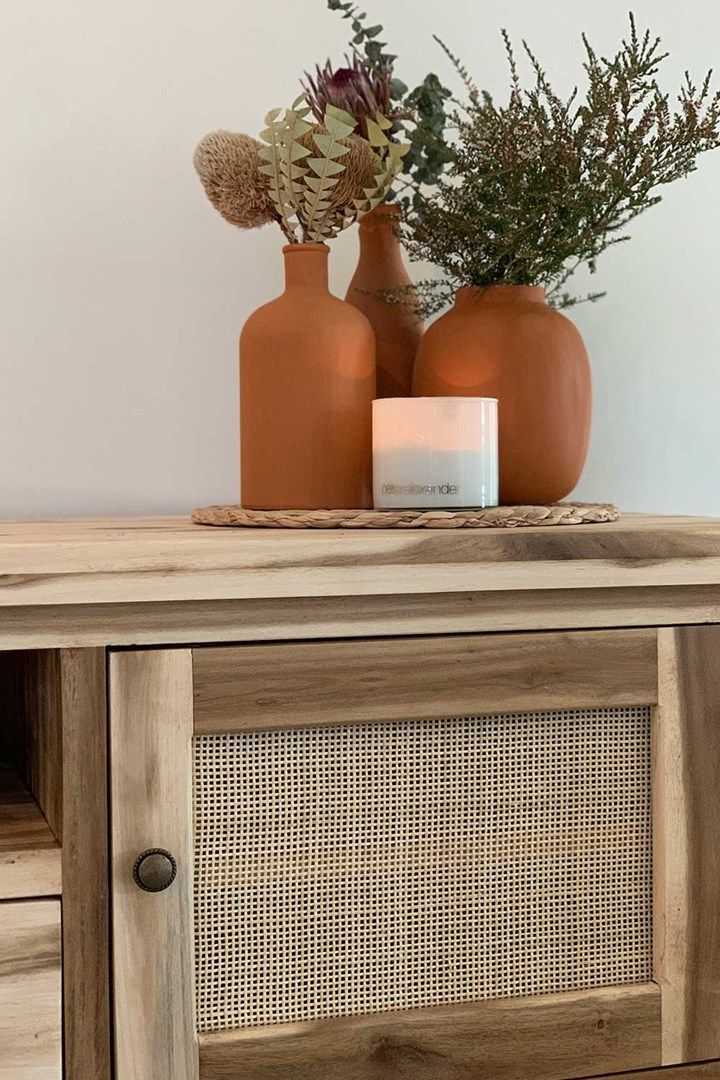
<point>55,708</point>
<point>682,683</point>
<point>686,821</point>
<point>151,807</point>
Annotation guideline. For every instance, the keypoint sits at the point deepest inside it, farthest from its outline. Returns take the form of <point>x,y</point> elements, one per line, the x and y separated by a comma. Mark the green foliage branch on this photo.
<point>540,186</point>
<point>419,115</point>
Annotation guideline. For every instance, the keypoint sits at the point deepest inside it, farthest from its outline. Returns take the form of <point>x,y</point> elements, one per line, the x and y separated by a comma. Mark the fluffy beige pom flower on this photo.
<point>229,168</point>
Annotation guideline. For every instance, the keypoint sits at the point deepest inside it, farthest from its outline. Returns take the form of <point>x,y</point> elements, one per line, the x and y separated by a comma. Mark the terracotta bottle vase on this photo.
<point>398,328</point>
<point>307,381</point>
<point>507,342</point>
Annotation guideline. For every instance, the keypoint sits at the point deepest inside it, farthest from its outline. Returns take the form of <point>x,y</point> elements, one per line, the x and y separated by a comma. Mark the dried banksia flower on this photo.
<point>229,167</point>
<point>359,171</point>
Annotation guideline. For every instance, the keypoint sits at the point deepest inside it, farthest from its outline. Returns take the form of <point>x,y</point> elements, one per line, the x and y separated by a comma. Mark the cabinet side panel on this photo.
<point>85,869</point>
<point>151,799</point>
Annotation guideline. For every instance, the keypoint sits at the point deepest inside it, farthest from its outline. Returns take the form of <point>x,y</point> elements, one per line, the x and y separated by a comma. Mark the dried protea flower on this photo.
<point>351,88</point>
<point>359,170</point>
<point>229,168</point>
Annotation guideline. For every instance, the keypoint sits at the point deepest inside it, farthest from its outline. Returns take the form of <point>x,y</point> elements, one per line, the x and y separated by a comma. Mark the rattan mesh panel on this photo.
<point>388,866</point>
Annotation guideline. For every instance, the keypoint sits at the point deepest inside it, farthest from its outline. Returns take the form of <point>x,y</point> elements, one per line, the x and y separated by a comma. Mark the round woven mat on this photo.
<point>495,517</point>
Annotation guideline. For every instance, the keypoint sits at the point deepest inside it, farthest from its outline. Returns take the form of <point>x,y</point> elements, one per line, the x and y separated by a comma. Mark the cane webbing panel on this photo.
<point>368,868</point>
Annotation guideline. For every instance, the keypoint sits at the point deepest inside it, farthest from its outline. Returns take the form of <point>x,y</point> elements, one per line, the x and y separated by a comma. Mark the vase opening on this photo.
<point>306,265</point>
<point>500,294</point>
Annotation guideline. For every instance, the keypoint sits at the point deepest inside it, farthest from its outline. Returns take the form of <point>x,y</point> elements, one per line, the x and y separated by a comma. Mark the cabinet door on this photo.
<point>485,856</point>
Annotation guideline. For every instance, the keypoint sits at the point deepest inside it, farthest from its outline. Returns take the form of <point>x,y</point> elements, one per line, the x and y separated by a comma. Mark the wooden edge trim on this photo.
<point>85,866</point>
<point>248,687</point>
<point>196,621</point>
<point>705,1070</point>
<point>686,827</point>
<point>548,1038</point>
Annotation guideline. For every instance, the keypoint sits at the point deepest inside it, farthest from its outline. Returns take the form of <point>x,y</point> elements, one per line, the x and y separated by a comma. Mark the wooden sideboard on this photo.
<point>310,805</point>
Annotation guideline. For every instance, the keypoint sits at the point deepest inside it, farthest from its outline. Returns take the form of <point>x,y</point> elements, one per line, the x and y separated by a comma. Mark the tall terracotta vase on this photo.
<point>307,381</point>
<point>506,342</point>
<point>398,328</point>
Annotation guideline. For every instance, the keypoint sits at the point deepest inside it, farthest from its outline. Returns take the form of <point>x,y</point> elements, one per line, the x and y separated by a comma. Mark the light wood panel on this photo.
<point>213,621</point>
<point>548,1038</point>
<point>239,689</point>
<point>30,991</point>
<point>151,731</point>
<point>85,863</point>
<point>145,559</point>
<point>687,842</point>
<point>29,853</point>
<point>670,869</point>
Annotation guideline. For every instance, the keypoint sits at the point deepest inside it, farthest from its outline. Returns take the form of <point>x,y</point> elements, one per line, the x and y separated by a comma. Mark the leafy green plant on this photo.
<point>540,186</point>
<point>368,84</point>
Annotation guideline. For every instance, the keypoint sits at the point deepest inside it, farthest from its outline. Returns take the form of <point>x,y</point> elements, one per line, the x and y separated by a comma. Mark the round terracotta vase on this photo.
<point>506,342</point>
<point>307,381</point>
<point>398,328</point>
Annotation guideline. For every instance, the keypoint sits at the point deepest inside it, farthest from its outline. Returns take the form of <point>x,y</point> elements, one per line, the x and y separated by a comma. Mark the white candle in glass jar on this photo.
<point>435,452</point>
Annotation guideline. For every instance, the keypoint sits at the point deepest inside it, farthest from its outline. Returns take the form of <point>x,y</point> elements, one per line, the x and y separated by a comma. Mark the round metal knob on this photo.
<point>154,870</point>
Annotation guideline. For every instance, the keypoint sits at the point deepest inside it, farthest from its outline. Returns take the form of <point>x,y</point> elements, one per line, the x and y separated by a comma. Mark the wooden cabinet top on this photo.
<point>146,560</point>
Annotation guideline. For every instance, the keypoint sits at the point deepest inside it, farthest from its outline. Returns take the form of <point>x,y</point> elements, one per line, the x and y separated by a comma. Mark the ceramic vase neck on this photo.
<point>306,266</point>
<point>378,231</point>
<point>500,294</point>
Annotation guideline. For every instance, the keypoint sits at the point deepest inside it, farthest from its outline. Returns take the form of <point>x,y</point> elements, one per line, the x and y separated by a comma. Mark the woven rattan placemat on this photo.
<point>495,517</point>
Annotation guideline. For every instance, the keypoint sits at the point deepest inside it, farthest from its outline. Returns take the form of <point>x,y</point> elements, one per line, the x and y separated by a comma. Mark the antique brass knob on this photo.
<point>154,870</point>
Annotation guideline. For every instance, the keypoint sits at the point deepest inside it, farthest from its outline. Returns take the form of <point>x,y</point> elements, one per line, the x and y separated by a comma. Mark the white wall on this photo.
<point>122,292</point>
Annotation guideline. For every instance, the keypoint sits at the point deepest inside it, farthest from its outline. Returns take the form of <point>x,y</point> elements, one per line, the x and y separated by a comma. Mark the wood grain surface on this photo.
<point>151,731</point>
<point>708,1070</point>
<point>145,559</point>
<point>687,842</point>
<point>214,621</point>
<point>240,689</point>
<point>29,853</point>
<point>544,1038</point>
<point>30,991</point>
<point>85,863</point>
<point>58,723</point>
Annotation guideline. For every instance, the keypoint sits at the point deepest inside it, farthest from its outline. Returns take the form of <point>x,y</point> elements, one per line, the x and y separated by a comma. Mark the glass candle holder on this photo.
<point>435,452</point>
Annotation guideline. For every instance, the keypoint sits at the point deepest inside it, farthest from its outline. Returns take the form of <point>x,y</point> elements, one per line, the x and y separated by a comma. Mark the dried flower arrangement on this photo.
<point>316,175</point>
<point>313,179</point>
<point>540,186</point>
<point>304,165</point>
<point>367,84</point>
